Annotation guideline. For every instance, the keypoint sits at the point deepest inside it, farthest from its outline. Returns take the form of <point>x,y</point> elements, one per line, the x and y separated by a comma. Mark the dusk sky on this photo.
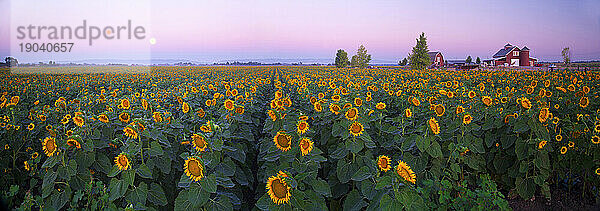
<point>211,31</point>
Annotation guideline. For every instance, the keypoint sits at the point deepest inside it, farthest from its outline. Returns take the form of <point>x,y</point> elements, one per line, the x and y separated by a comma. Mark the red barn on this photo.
<point>436,59</point>
<point>511,56</point>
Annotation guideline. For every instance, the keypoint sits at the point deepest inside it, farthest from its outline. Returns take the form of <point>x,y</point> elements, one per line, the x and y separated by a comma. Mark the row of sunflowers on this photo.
<point>308,138</point>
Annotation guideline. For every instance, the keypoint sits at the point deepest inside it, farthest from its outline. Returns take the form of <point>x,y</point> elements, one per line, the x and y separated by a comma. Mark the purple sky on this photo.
<point>209,31</point>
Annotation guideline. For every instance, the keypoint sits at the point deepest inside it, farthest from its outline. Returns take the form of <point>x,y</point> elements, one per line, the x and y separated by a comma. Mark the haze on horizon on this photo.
<point>211,31</point>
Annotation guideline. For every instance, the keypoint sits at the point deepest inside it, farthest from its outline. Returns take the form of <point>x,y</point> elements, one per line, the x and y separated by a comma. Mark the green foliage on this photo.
<point>341,58</point>
<point>361,59</point>
<point>469,60</point>
<point>419,59</point>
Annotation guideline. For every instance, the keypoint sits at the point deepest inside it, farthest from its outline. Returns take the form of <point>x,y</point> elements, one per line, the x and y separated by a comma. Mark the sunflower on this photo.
<point>356,128</point>
<point>124,117</point>
<point>199,142</point>
<point>407,113</point>
<point>317,106</point>
<point>571,144</point>
<point>283,141</point>
<point>185,107</point>
<point>541,144</point>
<point>406,172</point>
<point>544,114</point>
<point>278,189</point>
<point>415,101</point>
<point>35,155</point>
<point>125,104</point>
<point>103,118</point>
<point>302,126</point>
<point>439,109</point>
<point>380,106</point>
<point>558,137</point>
<point>595,139</point>
<point>229,105</point>
<point>352,114</point>
<point>30,127</point>
<point>78,120</point>
<point>584,102</point>
<point>467,119</point>
<point>459,109</point>
<point>486,100</point>
<point>206,128</point>
<point>49,146</point>
<point>335,98</point>
<point>272,115</point>
<point>597,128</point>
<point>563,150</point>
<point>26,166</point>
<point>358,102</point>
<point>306,146</point>
<point>383,162</point>
<point>433,124</point>
<point>472,94</point>
<point>193,168</point>
<point>73,143</point>
<point>334,108</point>
<point>130,132</point>
<point>200,113</point>
<point>525,103</point>
<point>122,161</point>
<point>145,104</point>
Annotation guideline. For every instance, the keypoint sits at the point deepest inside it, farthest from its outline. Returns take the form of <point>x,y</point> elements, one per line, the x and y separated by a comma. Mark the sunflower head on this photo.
<point>467,119</point>
<point>272,115</point>
<point>103,118</point>
<point>563,150</point>
<point>199,142</point>
<point>352,114</point>
<point>434,126</point>
<point>130,132</point>
<point>404,171</point>
<point>358,102</point>
<point>185,107</point>
<point>584,102</point>
<point>380,105</point>
<point>73,143</point>
<point>125,104</point>
<point>283,141</point>
<point>302,126</point>
<point>383,162</point>
<point>122,161</point>
<point>486,100</point>
<point>229,105</point>
<point>124,117</point>
<point>459,109</point>
<point>407,112</point>
<point>306,146</point>
<point>49,146</point>
<point>194,168</point>
<point>356,129</point>
<point>334,108</point>
<point>595,139</point>
<point>78,120</point>
<point>439,109</point>
<point>278,189</point>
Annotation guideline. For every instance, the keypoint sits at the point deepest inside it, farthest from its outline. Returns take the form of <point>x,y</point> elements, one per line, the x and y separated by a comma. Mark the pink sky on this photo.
<point>210,31</point>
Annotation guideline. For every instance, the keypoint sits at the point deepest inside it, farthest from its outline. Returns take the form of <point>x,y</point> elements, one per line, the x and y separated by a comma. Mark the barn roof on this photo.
<point>432,55</point>
<point>502,52</point>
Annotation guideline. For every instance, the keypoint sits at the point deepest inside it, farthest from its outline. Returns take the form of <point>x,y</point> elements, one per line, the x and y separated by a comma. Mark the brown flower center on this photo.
<point>279,188</point>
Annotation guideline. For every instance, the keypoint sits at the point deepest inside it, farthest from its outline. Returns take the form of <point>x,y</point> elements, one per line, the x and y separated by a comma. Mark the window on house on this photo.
<point>439,59</point>
<point>515,53</point>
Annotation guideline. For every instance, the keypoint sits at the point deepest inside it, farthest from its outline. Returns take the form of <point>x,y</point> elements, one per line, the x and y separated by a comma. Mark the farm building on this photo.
<point>511,56</point>
<point>436,58</point>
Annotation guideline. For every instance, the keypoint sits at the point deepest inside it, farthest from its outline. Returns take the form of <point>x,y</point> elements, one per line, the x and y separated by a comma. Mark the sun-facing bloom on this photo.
<point>278,189</point>
<point>302,126</point>
<point>130,132</point>
<point>383,162</point>
<point>356,128</point>
<point>407,113</point>
<point>199,142</point>
<point>434,126</point>
<point>283,141</point>
<point>380,105</point>
<point>439,109</point>
<point>306,146</point>
<point>352,114</point>
<point>194,168</point>
<point>467,119</point>
<point>122,161</point>
<point>406,172</point>
<point>49,146</point>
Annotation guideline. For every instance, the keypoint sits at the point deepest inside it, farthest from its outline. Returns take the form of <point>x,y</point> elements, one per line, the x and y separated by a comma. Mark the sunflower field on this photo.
<point>296,138</point>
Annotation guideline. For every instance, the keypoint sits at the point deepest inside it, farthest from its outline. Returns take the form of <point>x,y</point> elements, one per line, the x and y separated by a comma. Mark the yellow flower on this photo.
<point>124,117</point>
<point>380,105</point>
<point>356,128</point>
<point>199,142</point>
<point>283,141</point>
<point>302,126</point>
<point>486,100</point>
<point>229,105</point>
<point>406,172</point>
<point>103,118</point>
<point>78,120</point>
<point>439,109</point>
<point>434,126</point>
<point>122,161</point>
<point>185,107</point>
<point>563,150</point>
<point>584,102</point>
<point>130,132</point>
<point>541,144</point>
<point>306,146</point>
<point>272,115</point>
<point>72,142</point>
<point>525,103</point>
<point>352,114</point>
<point>278,189</point>
<point>595,139</point>
<point>30,127</point>
<point>193,168</point>
<point>334,108</point>
<point>459,109</point>
<point>559,137</point>
<point>358,102</point>
<point>49,146</point>
<point>383,162</point>
<point>407,113</point>
<point>544,114</point>
<point>467,119</point>
<point>26,166</point>
<point>125,104</point>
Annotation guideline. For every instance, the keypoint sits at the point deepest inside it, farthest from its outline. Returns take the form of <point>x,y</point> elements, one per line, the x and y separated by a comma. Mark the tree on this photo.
<point>361,59</point>
<point>403,62</point>
<point>469,60</point>
<point>478,61</point>
<point>566,54</point>
<point>419,59</point>
<point>341,58</point>
<point>354,61</point>
<point>11,62</point>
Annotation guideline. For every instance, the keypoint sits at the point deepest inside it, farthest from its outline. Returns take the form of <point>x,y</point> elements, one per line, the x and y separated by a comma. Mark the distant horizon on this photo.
<point>213,31</point>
